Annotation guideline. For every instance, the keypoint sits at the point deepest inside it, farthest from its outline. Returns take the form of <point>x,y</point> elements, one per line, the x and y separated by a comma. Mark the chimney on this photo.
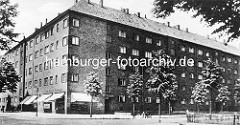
<point>41,25</point>
<point>101,3</point>
<point>76,1</point>
<point>36,29</point>
<point>146,16</point>
<point>46,21</point>
<point>88,1</point>
<point>187,30</point>
<point>139,14</point>
<point>168,24</point>
<point>178,27</point>
<point>127,10</point>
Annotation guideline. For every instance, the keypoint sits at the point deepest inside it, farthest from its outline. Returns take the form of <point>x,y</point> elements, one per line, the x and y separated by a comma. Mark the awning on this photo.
<point>30,100</point>
<point>81,97</point>
<point>54,97</point>
<point>28,97</point>
<point>42,98</point>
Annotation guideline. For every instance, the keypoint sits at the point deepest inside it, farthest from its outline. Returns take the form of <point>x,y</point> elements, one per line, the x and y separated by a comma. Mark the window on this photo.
<point>223,69</point>
<point>122,67</point>
<point>63,78</point>
<point>200,64</point>
<point>75,78</point>
<point>123,50</point>
<point>229,81</point>
<point>223,81</point>
<point>183,48</point>
<point>51,80</point>
<point>200,77</point>
<point>109,38</point>
<point>183,75</point>
<point>65,23</point>
<point>235,61</point>
<point>108,88</point>
<point>40,67</point>
<point>183,102</point>
<point>46,50</point>
<point>229,71</point>
<point>40,82</point>
<point>200,52</point>
<point>64,59</point>
<point>36,54</point>
<point>30,84</point>
<point>223,58</point>
<point>148,100</point>
<point>45,66</point>
<point>135,52</point>
<point>52,47</point>
<point>235,72</point>
<point>122,34</point>
<point>207,54</point>
<point>57,27</point>
<point>35,84</point>
<point>229,59</point>
<point>37,40</point>
<point>148,40</point>
<point>173,52</point>
<point>157,100</point>
<point>191,50</point>
<point>30,57</point>
<point>36,68</point>
<point>159,43</point>
<point>183,88</point>
<point>51,31</point>
<point>108,71</point>
<point>46,81</point>
<point>56,79</point>
<point>46,34</point>
<point>31,43</point>
<point>75,40</point>
<point>121,98</point>
<point>108,55</point>
<point>57,45</point>
<point>135,99</point>
<point>30,71</point>
<point>121,82</point>
<point>191,76</point>
<point>64,41</point>
<point>136,37</point>
<point>41,52</point>
<point>148,54</point>
<point>76,23</point>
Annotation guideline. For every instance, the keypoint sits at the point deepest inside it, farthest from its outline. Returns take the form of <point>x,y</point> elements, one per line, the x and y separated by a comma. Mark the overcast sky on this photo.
<point>32,12</point>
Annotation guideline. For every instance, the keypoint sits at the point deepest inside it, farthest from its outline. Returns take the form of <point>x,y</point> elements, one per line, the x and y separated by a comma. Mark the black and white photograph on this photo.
<point>119,62</point>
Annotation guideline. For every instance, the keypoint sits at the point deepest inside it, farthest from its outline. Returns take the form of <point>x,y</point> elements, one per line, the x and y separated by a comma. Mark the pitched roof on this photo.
<point>132,20</point>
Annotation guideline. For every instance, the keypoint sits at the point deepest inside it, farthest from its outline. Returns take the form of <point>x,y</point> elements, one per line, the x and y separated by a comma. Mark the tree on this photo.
<point>7,34</point>
<point>8,79</point>
<point>224,13</point>
<point>236,95</point>
<point>211,83</point>
<point>199,94</point>
<point>162,78</point>
<point>92,87</point>
<point>223,96</point>
<point>135,88</point>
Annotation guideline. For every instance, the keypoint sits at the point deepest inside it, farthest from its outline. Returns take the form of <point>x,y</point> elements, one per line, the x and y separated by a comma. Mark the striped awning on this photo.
<point>82,97</point>
<point>30,100</point>
<point>42,98</point>
<point>54,97</point>
<point>27,98</point>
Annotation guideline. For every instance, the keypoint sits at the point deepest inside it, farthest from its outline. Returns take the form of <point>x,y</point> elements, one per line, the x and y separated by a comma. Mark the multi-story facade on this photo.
<point>92,31</point>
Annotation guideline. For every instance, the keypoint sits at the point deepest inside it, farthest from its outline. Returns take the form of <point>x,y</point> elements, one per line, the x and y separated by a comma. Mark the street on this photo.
<point>31,119</point>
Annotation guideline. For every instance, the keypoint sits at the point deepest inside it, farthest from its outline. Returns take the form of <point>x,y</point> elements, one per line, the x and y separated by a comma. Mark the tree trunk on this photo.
<point>169,108</point>
<point>198,110</point>
<point>91,107</point>
<point>159,111</point>
<point>133,109</point>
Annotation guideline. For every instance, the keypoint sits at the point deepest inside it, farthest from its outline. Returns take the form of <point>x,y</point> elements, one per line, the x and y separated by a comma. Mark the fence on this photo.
<point>226,119</point>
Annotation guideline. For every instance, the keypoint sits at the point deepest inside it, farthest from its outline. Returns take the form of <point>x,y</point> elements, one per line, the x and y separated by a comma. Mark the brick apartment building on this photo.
<point>88,30</point>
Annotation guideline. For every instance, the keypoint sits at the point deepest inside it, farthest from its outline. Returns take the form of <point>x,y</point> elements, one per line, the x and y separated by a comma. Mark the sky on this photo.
<point>33,12</point>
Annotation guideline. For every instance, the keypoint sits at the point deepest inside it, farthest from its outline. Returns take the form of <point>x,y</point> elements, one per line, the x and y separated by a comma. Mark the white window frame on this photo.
<point>76,22</point>
<point>75,40</point>
<point>149,40</point>
<point>123,49</point>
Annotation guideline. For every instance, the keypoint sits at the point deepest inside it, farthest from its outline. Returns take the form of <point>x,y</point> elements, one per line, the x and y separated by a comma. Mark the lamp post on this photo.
<point>37,103</point>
